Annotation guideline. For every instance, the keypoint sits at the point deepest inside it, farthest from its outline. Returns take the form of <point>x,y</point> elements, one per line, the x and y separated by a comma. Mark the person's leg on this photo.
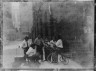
<point>37,49</point>
<point>40,51</point>
<point>34,58</point>
<point>47,52</point>
<point>27,58</point>
<point>25,54</point>
<point>59,51</point>
<point>25,50</point>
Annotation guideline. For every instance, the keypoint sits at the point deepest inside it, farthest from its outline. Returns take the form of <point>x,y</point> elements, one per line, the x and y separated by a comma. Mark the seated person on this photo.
<point>32,55</point>
<point>58,46</point>
<point>59,42</point>
<point>52,42</point>
<point>31,51</point>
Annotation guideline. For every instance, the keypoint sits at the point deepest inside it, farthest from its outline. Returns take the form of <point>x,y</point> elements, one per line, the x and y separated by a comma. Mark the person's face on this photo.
<point>46,39</point>
<point>39,36</point>
<point>26,39</point>
<point>53,38</point>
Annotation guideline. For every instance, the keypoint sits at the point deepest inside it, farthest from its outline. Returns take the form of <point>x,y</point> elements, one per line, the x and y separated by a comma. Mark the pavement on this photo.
<point>11,51</point>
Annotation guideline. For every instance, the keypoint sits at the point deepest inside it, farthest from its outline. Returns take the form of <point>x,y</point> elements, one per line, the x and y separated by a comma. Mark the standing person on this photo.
<point>46,49</point>
<point>25,45</point>
<point>39,43</point>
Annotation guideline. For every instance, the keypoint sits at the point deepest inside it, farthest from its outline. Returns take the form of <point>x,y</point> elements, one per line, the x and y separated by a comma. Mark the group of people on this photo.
<point>35,49</point>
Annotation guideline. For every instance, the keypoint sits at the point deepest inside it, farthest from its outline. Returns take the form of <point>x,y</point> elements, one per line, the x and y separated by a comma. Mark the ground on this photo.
<point>11,51</point>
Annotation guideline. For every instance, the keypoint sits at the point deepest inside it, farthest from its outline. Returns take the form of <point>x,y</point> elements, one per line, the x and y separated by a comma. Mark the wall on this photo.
<point>24,21</point>
<point>75,22</point>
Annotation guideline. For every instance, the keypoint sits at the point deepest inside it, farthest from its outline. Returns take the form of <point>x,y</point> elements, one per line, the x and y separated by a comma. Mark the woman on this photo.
<point>59,42</point>
<point>58,47</point>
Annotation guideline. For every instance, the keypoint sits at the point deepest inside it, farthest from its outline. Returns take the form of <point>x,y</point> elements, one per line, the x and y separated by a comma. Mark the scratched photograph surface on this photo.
<point>48,35</point>
<point>1,33</point>
<point>46,70</point>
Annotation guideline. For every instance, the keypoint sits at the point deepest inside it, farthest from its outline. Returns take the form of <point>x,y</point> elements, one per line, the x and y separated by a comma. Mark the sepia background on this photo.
<point>74,20</point>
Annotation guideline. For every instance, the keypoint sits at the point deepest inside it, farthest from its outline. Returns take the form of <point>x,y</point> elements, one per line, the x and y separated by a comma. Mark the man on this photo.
<point>46,49</point>
<point>25,44</point>
<point>39,43</point>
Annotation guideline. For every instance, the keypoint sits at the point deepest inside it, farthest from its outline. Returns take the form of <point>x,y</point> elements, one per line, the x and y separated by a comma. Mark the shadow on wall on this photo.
<point>72,18</point>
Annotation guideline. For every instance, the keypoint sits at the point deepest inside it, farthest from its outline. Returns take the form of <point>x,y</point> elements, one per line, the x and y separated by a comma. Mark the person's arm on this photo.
<point>29,42</point>
<point>35,41</point>
<point>59,44</point>
<point>21,45</point>
<point>29,51</point>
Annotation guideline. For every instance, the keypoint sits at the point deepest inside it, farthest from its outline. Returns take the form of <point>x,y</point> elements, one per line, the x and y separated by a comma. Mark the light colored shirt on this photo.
<point>31,51</point>
<point>24,44</point>
<point>59,43</point>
